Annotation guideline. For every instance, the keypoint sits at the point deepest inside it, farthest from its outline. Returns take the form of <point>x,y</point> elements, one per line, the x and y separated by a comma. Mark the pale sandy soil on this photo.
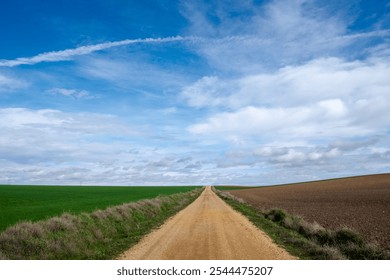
<point>208,229</point>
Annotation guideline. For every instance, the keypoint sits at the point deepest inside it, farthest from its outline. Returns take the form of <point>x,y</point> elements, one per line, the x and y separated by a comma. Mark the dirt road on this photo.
<point>208,229</point>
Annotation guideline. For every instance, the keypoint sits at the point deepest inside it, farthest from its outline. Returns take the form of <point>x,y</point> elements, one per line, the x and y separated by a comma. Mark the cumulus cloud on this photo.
<point>325,97</point>
<point>327,116</point>
<point>323,78</point>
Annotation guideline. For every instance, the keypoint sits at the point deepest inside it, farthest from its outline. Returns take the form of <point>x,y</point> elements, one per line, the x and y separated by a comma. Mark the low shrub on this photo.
<point>347,236</point>
<point>364,252</point>
<point>276,215</point>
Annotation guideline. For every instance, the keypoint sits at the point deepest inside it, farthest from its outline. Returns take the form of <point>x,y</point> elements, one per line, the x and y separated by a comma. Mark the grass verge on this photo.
<point>307,240</point>
<point>35,203</point>
<point>102,234</point>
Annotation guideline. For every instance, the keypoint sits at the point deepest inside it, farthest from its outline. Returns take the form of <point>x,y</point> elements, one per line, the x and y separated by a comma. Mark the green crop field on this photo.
<point>33,203</point>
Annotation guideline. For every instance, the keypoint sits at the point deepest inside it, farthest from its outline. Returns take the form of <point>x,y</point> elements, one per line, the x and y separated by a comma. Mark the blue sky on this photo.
<point>193,92</point>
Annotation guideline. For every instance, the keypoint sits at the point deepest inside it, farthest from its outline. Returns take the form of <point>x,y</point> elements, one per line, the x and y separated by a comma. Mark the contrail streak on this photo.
<point>70,53</point>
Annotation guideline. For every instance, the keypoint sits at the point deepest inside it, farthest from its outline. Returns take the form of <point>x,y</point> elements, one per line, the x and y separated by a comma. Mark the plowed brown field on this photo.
<point>208,229</point>
<point>362,203</point>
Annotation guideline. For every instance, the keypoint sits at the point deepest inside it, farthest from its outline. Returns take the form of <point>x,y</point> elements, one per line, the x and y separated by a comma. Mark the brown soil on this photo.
<point>208,229</point>
<point>361,203</point>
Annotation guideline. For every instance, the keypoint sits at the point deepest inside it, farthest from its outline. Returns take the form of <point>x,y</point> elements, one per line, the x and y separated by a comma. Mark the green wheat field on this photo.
<point>33,203</point>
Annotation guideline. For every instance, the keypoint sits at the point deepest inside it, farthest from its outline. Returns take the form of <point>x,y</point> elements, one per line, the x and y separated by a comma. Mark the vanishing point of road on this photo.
<point>208,229</point>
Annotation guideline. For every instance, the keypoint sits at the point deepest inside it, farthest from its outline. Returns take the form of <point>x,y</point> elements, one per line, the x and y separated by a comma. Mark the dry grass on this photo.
<point>102,234</point>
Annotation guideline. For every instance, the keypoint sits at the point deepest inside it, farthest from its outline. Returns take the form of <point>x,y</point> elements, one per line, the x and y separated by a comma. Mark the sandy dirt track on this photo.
<point>208,229</point>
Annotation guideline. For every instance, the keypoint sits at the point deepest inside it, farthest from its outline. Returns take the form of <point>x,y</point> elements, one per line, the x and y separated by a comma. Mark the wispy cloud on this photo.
<point>272,34</point>
<point>74,93</point>
<point>8,83</point>
<point>261,91</point>
<point>69,54</point>
<point>130,73</point>
<point>212,47</point>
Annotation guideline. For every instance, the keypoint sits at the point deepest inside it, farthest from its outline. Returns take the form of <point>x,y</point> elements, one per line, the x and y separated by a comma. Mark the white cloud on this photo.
<point>69,54</point>
<point>333,108</point>
<point>18,117</point>
<point>51,146</point>
<point>309,158</point>
<point>287,93</point>
<point>304,156</point>
<point>130,73</point>
<point>54,135</point>
<point>10,83</point>
<point>169,111</point>
<point>273,34</point>
<point>325,78</point>
<point>75,93</point>
<point>295,122</point>
<point>208,91</point>
<point>322,98</point>
<point>327,116</point>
